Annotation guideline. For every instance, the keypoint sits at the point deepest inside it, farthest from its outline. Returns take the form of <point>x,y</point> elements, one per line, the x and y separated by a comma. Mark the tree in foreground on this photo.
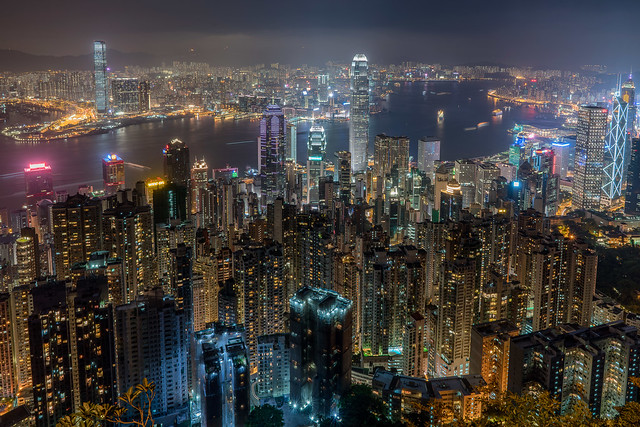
<point>265,416</point>
<point>135,410</point>
<point>360,407</point>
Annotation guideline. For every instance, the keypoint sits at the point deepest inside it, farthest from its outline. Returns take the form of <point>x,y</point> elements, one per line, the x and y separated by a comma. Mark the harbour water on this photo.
<point>411,111</point>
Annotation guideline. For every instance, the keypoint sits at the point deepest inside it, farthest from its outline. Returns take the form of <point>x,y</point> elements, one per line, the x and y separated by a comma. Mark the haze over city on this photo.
<point>549,34</point>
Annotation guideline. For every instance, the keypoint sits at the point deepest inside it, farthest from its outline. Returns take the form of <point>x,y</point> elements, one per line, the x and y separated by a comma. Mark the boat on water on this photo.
<point>440,115</point>
<point>470,128</point>
<point>497,112</point>
<point>482,124</point>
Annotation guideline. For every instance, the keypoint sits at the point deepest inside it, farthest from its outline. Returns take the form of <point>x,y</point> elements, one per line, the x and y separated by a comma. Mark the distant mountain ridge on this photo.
<point>17,61</point>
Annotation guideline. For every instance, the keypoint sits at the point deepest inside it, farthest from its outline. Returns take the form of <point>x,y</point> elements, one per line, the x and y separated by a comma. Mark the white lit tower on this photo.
<point>100,75</point>
<point>613,176</point>
<point>317,145</point>
<point>589,158</point>
<point>359,115</point>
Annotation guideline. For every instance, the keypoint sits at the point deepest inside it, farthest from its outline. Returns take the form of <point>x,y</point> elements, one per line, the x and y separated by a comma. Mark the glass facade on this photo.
<point>100,76</point>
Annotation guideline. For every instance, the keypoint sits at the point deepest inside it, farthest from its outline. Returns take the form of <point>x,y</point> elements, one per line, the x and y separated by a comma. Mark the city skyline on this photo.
<point>313,214</point>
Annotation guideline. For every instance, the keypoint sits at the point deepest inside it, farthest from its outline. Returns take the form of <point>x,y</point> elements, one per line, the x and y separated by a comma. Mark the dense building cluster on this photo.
<point>424,279</point>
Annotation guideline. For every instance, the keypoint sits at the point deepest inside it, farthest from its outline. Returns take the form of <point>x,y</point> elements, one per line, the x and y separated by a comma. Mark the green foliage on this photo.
<point>618,273</point>
<point>135,410</point>
<point>360,407</point>
<point>265,416</point>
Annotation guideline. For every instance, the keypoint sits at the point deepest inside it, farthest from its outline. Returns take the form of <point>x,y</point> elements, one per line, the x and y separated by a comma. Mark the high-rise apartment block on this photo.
<point>321,345</point>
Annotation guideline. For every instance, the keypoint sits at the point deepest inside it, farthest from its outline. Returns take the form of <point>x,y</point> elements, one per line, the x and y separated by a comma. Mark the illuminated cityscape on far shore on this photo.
<point>341,240</point>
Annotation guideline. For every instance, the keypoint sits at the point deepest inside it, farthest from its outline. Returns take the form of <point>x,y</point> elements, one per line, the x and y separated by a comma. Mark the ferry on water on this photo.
<point>496,112</point>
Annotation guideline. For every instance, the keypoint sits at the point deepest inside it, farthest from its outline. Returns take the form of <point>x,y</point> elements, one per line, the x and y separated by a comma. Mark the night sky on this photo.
<point>559,33</point>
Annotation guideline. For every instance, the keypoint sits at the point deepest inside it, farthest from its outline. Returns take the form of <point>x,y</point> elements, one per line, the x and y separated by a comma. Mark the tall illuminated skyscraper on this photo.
<point>344,175</point>
<point>154,320</point>
<point>271,153</point>
<point>199,193</point>
<point>323,88</point>
<point>128,235</point>
<point>615,147</point>
<point>100,76</point>
<point>8,384</point>
<point>176,162</point>
<point>77,232</point>
<point>321,345</point>
<point>589,158</point>
<point>359,121</point>
<point>292,141</point>
<point>27,256</point>
<point>38,183</point>
<point>562,155</point>
<point>428,153</point>
<point>390,151</point>
<point>315,162</point>
<point>112,173</point>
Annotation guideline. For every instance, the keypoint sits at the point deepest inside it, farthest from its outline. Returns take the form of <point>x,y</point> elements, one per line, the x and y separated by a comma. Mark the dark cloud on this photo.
<point>561,32</point>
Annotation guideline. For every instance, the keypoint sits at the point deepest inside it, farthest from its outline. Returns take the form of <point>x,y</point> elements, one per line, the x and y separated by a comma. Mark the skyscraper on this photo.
<point>21,309</point>
<point>562,157</point>
<point>126,96</point>
<point>8,384</point>
<point>323,88</point>
<point>259,272</point>
<point>128,235</point>
<point>390,152</point>
<point>591,365</point>
<point>292,141</point>
<point>28,259</point>
<point>615,147</point>
<point>176,162</point>
<point>50,354</point>
<point>271,153</point>
<point>428,153</point>
<point>77,232</point>
<point>632,199</point>
<point>112,174</point>
<point>321,345</point>
<point>359,115</point>
<point>589,158</point>
<point>628,95</point>
<point>344,175</point>
<point>100,76</point>
<point>315,162</point>
<point>199,193</point>
<point>38,180</point>
<point>144,96</point>
<point>154,320</point>
<point>274,357</point>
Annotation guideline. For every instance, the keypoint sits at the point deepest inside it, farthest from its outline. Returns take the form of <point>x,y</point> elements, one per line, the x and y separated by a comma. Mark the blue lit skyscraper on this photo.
<point>359,121</point>
<point>315,162</point>
<point>615,151</point>
<point>100,76</point>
